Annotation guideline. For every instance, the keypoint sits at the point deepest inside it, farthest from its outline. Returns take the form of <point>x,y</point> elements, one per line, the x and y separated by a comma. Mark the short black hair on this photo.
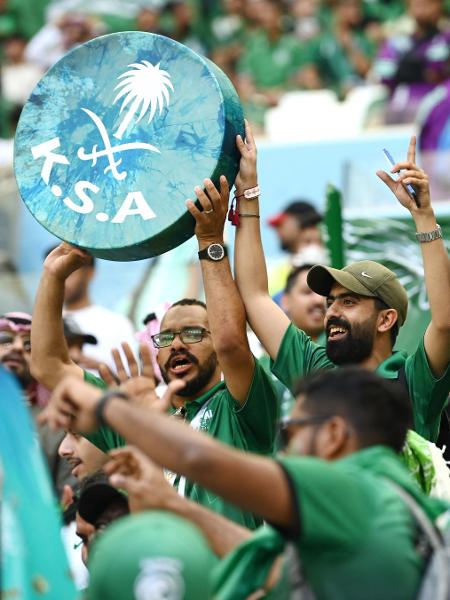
<point>90,263</point>
<point>292,277</point>
<point>189,302</point>
<point>379,410</point>
<point>380,305</point>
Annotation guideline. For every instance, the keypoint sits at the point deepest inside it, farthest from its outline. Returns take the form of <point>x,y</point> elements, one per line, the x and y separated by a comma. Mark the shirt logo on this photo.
<point>144,89</point>
<point>159,577</point>
<point>364,274</point>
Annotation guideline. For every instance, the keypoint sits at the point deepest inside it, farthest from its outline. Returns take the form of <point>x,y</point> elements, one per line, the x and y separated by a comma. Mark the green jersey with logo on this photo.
<point>250,427</point>
<point>352,534</point>
<point>299,356</point>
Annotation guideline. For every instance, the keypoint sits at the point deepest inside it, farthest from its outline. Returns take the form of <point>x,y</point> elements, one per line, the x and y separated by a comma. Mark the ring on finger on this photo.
<point>206,212</point>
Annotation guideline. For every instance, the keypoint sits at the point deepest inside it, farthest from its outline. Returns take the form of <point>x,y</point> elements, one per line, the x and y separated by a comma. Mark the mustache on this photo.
<point>338,323</point>
<point>13,356</point>
<point>185,354</point>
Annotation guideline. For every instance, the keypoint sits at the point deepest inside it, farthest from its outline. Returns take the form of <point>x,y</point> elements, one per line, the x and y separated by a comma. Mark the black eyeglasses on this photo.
<point>188,335</point>
<point>287,422</point>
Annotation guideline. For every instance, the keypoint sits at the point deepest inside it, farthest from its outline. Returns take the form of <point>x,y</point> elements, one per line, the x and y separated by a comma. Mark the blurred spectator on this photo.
<point>184,26</point>
<point>148,20</point>
<point>18,77</point>
<point>229,32</point>
<point>8,21</point>
<point>15,357</point>
<point>271,62</point>
<point>341,57</point>
<point>76,339</point>
<point>305,308</point>
<point>297,228</point>
<point>57,38</point>
<point>108,327</point>
<point>305,14</point>
<point>411,65</point>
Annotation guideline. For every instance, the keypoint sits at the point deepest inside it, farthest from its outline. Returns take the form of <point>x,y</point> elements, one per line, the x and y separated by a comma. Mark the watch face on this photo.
<point>216,252</point>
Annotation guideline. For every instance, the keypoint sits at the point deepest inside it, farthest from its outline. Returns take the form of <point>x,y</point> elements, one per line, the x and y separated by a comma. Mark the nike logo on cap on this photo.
<point>364,274</point>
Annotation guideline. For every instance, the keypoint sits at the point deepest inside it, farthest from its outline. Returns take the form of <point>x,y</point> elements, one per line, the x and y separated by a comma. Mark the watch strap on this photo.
<point>104,400</point>
<point>205,253</point>
<point>429,236</point>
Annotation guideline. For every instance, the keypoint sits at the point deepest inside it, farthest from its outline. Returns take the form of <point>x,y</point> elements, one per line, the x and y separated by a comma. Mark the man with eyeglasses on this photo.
<point>334,503</point>
<point>226,392</point>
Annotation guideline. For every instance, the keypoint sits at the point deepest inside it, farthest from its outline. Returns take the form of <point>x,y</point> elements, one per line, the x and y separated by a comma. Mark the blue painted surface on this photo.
<point>33,563</point>
<point>194,115</point>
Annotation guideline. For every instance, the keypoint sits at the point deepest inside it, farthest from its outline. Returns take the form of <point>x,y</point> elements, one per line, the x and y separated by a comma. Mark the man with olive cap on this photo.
<point>366,304</point>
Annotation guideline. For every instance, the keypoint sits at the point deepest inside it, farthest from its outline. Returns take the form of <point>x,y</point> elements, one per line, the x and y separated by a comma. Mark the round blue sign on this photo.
<point>116,136</point>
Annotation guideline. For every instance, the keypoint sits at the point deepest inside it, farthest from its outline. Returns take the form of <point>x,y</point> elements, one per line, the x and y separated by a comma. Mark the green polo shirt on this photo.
<point>250,427</point>
<point>299,356</point>
<point>272,63</point>
<point>354,536</point>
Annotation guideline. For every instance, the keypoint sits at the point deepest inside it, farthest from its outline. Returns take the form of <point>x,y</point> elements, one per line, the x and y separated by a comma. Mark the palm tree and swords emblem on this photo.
<point>143,88</point>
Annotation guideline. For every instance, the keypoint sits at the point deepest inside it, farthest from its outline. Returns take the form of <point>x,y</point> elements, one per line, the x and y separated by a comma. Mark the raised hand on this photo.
<point>210,222</point>
<point>64,260</point>
<point>139,384</point>
<point>247,177</point>
<point>72,406</point>
<point>131,470</point>
<point>412,174</point>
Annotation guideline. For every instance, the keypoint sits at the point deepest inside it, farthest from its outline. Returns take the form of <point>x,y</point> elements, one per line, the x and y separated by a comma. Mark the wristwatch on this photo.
<point>429,236</point>
<point>213,252</point>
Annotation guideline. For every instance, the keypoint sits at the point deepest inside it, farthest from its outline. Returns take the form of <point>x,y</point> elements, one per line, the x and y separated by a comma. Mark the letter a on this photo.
<point>141,208</point>
<point>46,150</point>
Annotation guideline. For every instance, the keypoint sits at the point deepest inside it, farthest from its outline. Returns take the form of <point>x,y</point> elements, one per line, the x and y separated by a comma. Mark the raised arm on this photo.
<point>50,361</point>
<point>266,318</point>
<point>254,483</point>
<point>226,313</point>
<point>436,261</point>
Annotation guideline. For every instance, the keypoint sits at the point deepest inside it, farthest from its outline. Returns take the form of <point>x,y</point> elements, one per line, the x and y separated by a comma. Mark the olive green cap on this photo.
<point>365,277</point>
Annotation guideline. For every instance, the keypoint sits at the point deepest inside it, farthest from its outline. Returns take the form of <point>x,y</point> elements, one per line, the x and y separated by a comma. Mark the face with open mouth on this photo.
<point>83,457</point>
<point>350,326</point>
<point>194,363</point>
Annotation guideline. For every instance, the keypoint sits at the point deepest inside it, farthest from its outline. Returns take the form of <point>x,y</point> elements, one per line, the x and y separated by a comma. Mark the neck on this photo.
<point>379,354</point>
<point>179,401</point>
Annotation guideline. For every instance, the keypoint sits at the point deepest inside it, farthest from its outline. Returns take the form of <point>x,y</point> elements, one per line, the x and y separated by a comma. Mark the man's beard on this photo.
<point>357,344</point>
<point>205,373</point>
<point>22,374</point>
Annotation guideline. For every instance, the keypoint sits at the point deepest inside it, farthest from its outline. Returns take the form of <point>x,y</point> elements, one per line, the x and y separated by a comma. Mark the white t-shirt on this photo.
<point>110,329</point>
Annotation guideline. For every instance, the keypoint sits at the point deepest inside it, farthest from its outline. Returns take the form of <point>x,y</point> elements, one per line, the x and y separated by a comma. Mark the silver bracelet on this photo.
<point>429,236</point>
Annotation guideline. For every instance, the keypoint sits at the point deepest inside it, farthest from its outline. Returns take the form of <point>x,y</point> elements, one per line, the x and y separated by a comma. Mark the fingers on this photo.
<point>120,369</point>
<point>249,139</point>
<point>133,366</point>
<point>420,175</point>
<point>224,190</point>
<point>391,183</point>
<point>195,212</point>
<point>172,390</point>
<point>107,375</point>
<point>147,364</point>
<point>412,150</point>
<point>203,199</point>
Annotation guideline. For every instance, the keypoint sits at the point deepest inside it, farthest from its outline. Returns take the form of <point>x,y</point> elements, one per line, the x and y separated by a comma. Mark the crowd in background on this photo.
<point>267,47</point>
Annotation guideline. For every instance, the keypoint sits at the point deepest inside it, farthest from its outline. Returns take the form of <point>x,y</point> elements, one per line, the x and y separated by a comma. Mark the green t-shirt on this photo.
<point>250,427</point>
<point>299,356</point>
<point>354,536</point>
<point>332,62</point>
<point>272,64</point>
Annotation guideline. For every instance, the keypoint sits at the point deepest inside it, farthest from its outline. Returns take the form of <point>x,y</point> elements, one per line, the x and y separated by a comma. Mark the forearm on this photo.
<point>223,535</point>
<point>238,477</point>
<point>249,262</point>
<point>437,271</point>
<point>49,353</point>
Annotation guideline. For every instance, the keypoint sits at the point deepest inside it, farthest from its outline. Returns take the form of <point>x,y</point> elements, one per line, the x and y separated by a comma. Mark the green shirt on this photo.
<point>249,427</point>
<point>353,534</point>
<point>299,356</point>
<point>271,64</point>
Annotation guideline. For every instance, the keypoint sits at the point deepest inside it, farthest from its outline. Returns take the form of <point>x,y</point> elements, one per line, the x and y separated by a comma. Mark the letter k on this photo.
<point>46,150</point>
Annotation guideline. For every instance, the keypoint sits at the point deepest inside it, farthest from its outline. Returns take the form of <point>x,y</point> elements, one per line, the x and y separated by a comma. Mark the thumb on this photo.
<point>391,183</point>
<point>172,390</point>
